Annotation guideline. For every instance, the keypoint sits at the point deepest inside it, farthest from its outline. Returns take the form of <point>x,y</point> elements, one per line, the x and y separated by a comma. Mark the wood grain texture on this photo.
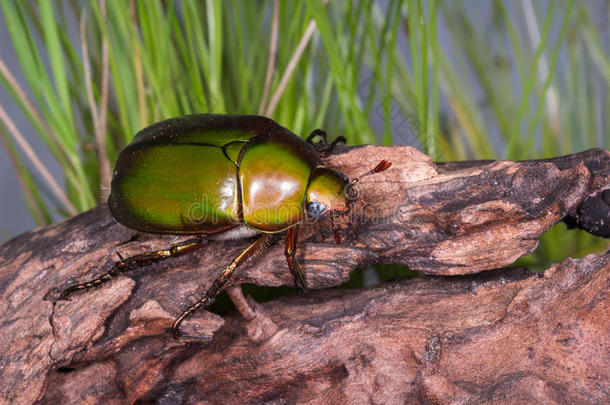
<point>501,334</point>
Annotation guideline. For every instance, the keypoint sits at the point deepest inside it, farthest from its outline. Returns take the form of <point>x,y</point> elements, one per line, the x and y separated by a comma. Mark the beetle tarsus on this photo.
<point>292,236</point>
<point>204,302</point>
<point>66,293</point>
<point>316,132</point>
<point>297,274</point>
<point>134,262</point>
<point>300,285</point>
<point>338,140</point>
<point>257,247</point>
<point>322,146</point>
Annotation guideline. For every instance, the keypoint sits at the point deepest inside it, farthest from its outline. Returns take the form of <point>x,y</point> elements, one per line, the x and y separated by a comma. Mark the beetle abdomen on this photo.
<point>175,189</point>
<point>211,129</point>
<point>176,177</point>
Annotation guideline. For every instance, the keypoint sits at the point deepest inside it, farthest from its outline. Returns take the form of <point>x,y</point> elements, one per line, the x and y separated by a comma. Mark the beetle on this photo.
<point>224,177</point>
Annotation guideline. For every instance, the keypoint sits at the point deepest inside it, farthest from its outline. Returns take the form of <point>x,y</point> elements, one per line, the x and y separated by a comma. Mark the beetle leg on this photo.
<point>137,261</point>
<point>316,132</point>
<point>254,249</point>
<point>322,146</point>
<point>338,140</point>
<point>292,236</point>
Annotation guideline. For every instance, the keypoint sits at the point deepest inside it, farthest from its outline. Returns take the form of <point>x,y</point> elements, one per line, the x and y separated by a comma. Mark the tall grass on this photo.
<point>511,81</point>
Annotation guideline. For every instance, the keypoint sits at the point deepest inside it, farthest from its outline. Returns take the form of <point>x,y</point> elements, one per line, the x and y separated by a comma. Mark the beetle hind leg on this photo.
<point>134,262</point>
<point>208,298</point>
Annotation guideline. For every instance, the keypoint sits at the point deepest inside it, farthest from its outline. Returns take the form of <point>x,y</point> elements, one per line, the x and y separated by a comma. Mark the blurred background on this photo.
<point>459,80</point>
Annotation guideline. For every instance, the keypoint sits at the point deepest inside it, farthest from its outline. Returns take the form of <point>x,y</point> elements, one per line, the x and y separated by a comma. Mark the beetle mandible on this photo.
<point>224,177</point>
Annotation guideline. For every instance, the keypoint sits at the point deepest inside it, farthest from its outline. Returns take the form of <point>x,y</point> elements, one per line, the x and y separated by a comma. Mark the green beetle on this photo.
<point>224,177</point>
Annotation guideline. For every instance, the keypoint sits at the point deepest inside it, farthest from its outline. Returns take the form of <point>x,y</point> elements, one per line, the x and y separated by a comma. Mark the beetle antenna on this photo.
<point>381,166</point>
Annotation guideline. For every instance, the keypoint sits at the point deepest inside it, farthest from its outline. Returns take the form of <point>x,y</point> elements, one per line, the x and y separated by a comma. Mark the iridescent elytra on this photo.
<point>224,177</point>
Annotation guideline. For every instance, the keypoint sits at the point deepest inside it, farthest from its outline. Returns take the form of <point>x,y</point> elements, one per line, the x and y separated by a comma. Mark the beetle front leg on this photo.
<point>134,262</point>
<point>292,235</point>
<point>257,247</point>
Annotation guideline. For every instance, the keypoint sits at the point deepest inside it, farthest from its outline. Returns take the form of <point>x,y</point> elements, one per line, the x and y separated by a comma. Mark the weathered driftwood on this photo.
<point>499,335</point>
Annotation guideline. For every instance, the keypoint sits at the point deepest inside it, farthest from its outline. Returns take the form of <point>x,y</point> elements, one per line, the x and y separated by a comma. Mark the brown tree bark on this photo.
<point>499,335</point>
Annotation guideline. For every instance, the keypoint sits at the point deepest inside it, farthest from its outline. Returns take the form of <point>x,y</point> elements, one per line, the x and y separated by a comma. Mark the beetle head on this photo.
<point>330,192</point>
<point>325,193</point>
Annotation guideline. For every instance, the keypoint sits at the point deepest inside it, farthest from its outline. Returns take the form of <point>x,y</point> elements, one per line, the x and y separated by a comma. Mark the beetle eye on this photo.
<point>316,209</point>
<point>350,192</point>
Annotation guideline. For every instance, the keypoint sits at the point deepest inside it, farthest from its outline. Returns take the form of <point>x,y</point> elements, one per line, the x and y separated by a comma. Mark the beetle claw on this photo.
<point>302,288</point>
<point>299,281</point>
